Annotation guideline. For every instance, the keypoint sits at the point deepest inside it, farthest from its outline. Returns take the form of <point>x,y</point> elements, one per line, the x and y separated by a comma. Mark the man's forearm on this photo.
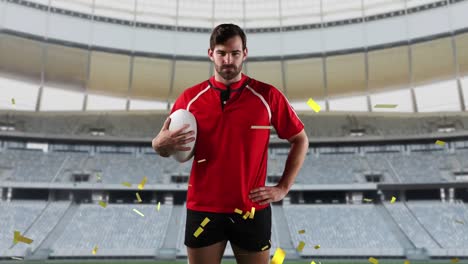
<point>294,163</point>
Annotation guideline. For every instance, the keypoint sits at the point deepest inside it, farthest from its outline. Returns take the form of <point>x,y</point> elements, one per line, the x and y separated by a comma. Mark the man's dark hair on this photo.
<point>223,32</point>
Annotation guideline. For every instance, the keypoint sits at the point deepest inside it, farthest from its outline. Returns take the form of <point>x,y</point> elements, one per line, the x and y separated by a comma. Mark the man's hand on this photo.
<point>267,194</point>
<point>167,142</point>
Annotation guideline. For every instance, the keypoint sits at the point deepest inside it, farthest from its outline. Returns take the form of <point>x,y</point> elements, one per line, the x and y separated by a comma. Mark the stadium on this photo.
<point>85,85</point>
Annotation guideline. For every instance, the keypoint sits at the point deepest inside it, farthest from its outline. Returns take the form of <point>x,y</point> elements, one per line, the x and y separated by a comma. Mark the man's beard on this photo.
<point>229,74</point>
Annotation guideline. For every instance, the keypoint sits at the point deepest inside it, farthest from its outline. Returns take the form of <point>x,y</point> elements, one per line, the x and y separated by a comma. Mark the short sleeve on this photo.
<point>180,103</point>
<point>283,116</point>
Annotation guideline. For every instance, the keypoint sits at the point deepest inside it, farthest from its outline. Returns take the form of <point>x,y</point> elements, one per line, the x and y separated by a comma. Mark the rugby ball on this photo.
<point>178,119</point>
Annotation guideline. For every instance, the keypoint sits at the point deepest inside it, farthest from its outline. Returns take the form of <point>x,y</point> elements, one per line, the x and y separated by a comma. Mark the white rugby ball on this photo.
<point>178,119</point>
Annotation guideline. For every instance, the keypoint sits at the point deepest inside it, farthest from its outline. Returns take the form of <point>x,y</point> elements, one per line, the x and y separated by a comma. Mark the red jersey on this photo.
<point>235,154</point>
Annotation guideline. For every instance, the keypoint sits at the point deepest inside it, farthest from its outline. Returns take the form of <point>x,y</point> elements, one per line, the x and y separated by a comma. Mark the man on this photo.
<point>233,173</point>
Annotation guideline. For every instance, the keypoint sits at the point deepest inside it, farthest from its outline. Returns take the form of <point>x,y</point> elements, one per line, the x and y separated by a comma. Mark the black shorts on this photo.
<point>249,234</point>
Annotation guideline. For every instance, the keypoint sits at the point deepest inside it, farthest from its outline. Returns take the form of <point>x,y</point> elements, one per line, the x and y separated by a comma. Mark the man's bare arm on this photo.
<point>296,156</point>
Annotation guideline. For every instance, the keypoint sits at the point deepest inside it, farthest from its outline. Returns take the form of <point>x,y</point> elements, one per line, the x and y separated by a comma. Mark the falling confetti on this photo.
<point>278,257</point>
<point>95,250</point>
<point>238,211</point>
<point>393,199</point>
<point>317,247</point>
<point>373,260</point>
<point>440,142</point>
<point>301,245</point>
<point>138,197</point>
<point>406,262</point>
<point>142,183</point>
<point>102,204</point>
<point>246,215</point>
<point>301,231</point>
<point>252,213</point>
<point>312,104</point>
<point>17,237</point>
<point>205,221</point>
<point>138,212</point>
<point>159,206</point>
<point>385,105</point>
<point>265,247</point>
<point>127,184</point>
<point>455,260</point>
<point>13,102</point>
<point>459,222</point>
<point>202,160</point>
<point>261,127</point>
<point>367,200</point>
<point>198,232</point>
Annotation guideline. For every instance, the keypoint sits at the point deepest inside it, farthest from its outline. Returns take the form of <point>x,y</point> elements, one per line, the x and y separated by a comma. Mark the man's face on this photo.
<point>228,58</point>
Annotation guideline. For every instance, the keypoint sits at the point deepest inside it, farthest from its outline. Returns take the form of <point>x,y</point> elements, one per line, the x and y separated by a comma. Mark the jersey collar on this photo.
<point>233,86</point>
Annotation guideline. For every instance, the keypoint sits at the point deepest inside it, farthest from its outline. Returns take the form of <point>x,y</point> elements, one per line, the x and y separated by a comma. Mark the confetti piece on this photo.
<point>138,212</point>
<point>393,199</point>
<point>138,197</point>
<point>317,247</point>
<point>238,211</point>
<point>265,247</point>
<point>13,101</point>
<point>202,160</point>
<point>95,250</point>
<point>440,142</point>
<point>205,221</point>
<point>98,175</point>
<point>159,206</point>
<point>312,104</point>
<point>127,184</point>
<point>142,183</point>
<point>312,262</point>
<point>261,127</point>
<point>367,200</point>
<point>231,219</point>
<point>246,215</point>
<point>385,105</point>
<point>102,204</point>
<point>198,232</point>
<point>252,213</point>
<point>17,237</point>
<point>406,262</point>
<point>301,231</point>
<point>16,258</point>
<point>373,260</point>
<point>301,245</point>
<point>460,222</point>
<point>278,257</point>
<point>455,260</point>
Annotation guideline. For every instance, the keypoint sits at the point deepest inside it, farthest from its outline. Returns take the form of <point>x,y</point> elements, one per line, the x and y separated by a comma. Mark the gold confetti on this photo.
<point>312,262</point>
<point>98,175</point>
<point>238,211</point>
<point>127,184</point>
<point>159,206</point>
<point>393,199</point>
<point>440,142</point>
<point>198,232</point>
<point>205,221</point>
<point>317,247</point>
<point>406,262</point>
<point>265,247</point>
<point>455,260</point>
<point>385,105</point>
<point>102,204</point>
<point>252,213</point>
<point>138,197</point>
<point>138,212</point>
<point>373,260</point>
<point>202,160</point>
<point>246,215</point>
<point>13,102</point>
<point>312,104</point>
<point>367,200</point>
<point>95,250</point>
<point>142,183</point>
<point>460,222</point>
<point>17,237</point>
<point>278,257</point>
<point>261,127</point>
<point>301,245</point>
<point>301,231</point>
